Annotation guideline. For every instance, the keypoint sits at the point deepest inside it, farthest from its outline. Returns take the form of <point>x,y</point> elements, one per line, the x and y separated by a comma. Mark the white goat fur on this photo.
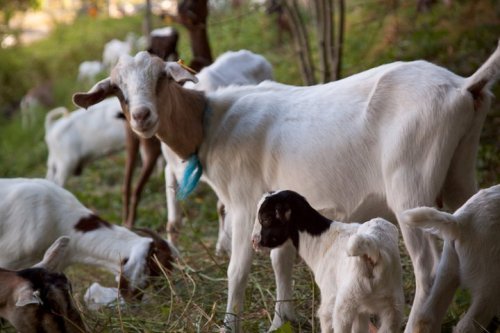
<point>358,271</point>
<point>470,258</point>
<point>241,67</point>
<point>88,70</point>
<point>34,212</point>
<point>399,135</point>
<point>80,137</point>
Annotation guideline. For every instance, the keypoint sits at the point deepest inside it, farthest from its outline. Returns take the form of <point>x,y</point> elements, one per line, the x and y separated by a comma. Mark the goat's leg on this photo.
<point>361,323</point>
<point>479,314</point>
<point>174,216</point>
<point>429,318</point>
<point>239,266</point>
<point>132,145</point>
<point>325,315</point>
<point>283,259</point>
<point>344,314</point>
<point>152,153</point>
<point>419,244</point>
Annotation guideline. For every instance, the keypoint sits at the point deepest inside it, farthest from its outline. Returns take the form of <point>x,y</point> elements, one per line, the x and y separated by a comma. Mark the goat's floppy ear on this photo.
<point>179,73</point>
<point>54,253</point>
<point>96,94</point>
<point>26,295</point>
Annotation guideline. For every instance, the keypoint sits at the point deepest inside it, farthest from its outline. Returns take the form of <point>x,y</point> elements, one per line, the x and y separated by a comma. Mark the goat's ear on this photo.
<point>54,254</point>
<point>179,73</point>
<point>96,94</point>
<point>26,295</point>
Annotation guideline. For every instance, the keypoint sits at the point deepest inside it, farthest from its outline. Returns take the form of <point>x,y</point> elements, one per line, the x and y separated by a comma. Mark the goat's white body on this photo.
<point>400,133</point>
<point>83,136</point>
<point>350,290</point>
<point>115,48</point>
<point>470,258</point>
<point>35,212</point>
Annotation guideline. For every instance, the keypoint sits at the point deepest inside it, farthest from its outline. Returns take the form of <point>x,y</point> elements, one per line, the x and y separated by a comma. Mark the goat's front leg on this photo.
<point>479,314</point>
<point>283,259</point>
<point>429,318</point>
<point>174,222</point>
<point>239,266</point>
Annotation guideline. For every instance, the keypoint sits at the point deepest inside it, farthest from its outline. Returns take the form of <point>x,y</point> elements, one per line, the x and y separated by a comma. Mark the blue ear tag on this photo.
<point>191,177</point>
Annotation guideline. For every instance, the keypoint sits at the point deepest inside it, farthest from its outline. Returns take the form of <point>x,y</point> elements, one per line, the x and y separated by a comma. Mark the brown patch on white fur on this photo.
<point>90,223</point>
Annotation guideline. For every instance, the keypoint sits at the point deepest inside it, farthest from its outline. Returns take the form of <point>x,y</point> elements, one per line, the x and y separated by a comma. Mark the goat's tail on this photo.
<point>485,76</point>
<point>52,115</point>
<point>441,224</point>
<point>365,246</point>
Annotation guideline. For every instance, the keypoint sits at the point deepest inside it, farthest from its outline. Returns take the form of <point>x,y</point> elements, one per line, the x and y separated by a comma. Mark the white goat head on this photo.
<point>137,81</point>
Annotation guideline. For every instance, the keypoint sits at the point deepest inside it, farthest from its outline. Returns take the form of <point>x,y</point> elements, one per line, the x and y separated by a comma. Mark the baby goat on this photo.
<point>38,300</point>
<point>470,258</point>
<point>356,266</point>
<point>34,212</point>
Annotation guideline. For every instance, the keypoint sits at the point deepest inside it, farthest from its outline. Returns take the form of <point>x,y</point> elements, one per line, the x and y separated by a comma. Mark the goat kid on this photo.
<point>37,299</point>
<point>391,138</point>
<point>470,258</point>
<point>53,211</point>
<point>356,266</point>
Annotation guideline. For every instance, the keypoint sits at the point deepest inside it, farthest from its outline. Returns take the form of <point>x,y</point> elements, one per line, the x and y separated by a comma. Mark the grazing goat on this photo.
<point>115,48</point>
<point>37,299</point>
<point>80,137</point>
<point>53,211</point>
<point>470,258</point>
<point>395,137</point>
<point>163,43</point>
<point>356,266</point>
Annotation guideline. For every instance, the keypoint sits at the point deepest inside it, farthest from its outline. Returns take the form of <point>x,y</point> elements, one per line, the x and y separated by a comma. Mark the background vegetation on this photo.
<point>193,298</point>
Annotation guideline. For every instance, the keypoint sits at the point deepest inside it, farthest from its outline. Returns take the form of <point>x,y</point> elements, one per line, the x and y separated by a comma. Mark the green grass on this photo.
<point>193,298</point>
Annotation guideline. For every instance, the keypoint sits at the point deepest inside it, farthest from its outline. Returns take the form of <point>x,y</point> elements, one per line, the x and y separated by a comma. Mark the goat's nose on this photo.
<point>256,242</point>
<point>141,114</point>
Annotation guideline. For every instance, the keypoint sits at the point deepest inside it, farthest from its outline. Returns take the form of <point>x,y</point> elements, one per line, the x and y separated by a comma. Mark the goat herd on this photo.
<point>385,144</point>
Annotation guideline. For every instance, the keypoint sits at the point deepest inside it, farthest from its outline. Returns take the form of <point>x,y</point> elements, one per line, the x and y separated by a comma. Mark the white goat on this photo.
<point>34,212</point>
<point>470,258</point>
<point>241,67</point>
<point>356,266</point>
<point>37,299</point>
<point>396,136</point>
<point>88,70</point>
<point>81,137</point>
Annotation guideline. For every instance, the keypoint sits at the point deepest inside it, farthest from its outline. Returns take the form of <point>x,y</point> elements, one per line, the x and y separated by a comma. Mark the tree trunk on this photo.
<point>301,41</point>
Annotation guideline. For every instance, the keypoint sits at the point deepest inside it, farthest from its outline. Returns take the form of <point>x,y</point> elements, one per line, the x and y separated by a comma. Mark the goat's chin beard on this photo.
<point>147,133</point>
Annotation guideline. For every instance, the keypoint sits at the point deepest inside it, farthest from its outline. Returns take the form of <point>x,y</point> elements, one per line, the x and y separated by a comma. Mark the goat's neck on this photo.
<point>105,247</point>
<point>313,248</point>
<point>181,118</point>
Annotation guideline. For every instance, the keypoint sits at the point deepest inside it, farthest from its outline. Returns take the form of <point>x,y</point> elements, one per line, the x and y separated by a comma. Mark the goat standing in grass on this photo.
<point>470,258</point>
<point>394,137</point>
<point>356,266</point>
